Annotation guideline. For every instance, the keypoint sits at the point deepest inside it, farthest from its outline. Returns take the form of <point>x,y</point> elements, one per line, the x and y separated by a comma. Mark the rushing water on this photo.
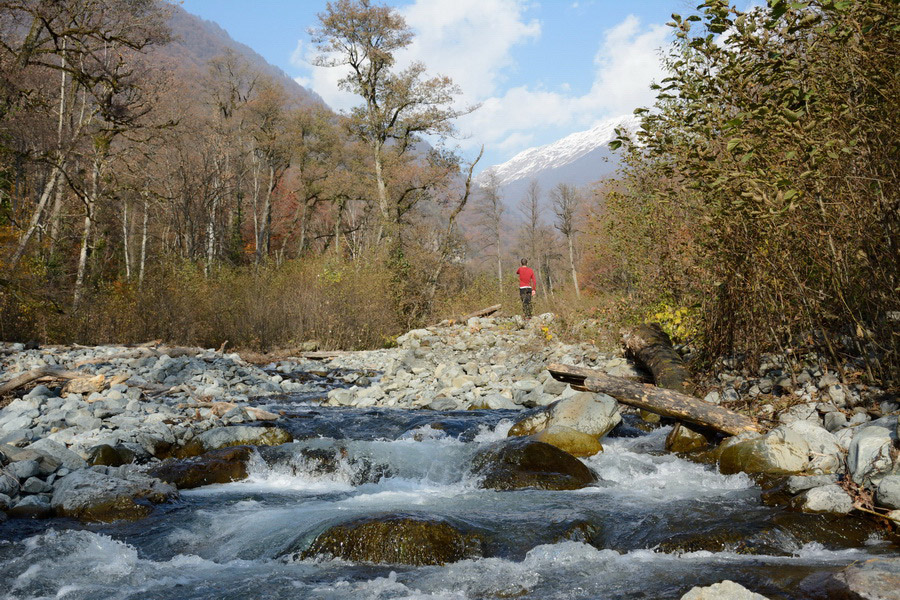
<point>641,532</point>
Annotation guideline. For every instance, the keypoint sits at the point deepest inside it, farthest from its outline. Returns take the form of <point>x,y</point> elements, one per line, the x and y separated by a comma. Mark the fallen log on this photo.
<point>667,403</point>
<point>649,345</point>
<point>484,312</point>
<point>323,354</point>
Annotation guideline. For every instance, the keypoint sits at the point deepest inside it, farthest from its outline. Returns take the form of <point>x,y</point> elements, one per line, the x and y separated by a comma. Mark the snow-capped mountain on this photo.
<point>577,159</point>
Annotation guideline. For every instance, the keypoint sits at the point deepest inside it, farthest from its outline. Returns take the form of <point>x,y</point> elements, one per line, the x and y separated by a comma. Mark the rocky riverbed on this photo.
<point>129,429</point>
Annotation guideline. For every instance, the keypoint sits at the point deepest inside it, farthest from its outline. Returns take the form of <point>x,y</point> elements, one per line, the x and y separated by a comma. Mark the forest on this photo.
<point>756,209</point>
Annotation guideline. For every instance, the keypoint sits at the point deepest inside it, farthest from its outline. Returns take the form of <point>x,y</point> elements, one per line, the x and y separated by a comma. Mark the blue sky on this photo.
<point>541,69</point>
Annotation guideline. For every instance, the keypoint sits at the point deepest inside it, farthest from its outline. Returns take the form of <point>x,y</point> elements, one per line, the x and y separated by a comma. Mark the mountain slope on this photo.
<point>196,41</point>
<point>577,159</point>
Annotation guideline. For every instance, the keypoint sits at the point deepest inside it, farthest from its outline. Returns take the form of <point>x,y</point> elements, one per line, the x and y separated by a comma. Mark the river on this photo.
<point>654,526</point>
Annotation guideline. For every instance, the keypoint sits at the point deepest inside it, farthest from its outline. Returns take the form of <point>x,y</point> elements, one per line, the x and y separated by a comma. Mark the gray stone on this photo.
<point>888,493</point>
<point>91,495</point>
<point>726,590</point>
<point>24,469</point>
<point>877,578</point>
<point>9,484</point>
<point>713,397</point>
<point>443,403</point>
<point>838,395</point>
<point>57,452</point>
<point>835,421</point>
<point>33,485</point>
<point>594,414</point>
<point>825,455</point>
<point>830,498</point>
<point>780,451</point>
<point>869,456</point>
<point>800,483</point>
<point>224,437</point>
<point>5,502</point>
<point>32,507</point>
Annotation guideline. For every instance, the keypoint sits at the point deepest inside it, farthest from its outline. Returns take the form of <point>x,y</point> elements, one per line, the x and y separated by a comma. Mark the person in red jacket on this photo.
<point>527,285</point>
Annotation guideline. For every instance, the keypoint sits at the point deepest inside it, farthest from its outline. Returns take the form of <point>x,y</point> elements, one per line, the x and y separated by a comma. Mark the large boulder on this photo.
<point>874,579</point>
<point>593,414</point>
<point>51,455</point>
<point>91,495</point>
<point>219,466</point>
<point>240,435</point>
<point>396,539</point>
<point>782,451</point>
<point>726,590</point>
<point>569,440</point>
<point>523,462</point>
<point>869,457</point>
<point>825,454</point>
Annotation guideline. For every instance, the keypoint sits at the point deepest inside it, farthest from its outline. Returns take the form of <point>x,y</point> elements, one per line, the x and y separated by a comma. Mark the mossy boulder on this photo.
<point>523,462</point>
<point>683,439</point>
<point>239,435</point>
<point>779,452</point>
<point>406,539</point>
<point>569,440</point>
<point>219,466</point>
<point>90,495</point>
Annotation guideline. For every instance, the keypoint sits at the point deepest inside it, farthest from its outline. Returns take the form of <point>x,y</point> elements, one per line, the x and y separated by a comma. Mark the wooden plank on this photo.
<point>661,401</point>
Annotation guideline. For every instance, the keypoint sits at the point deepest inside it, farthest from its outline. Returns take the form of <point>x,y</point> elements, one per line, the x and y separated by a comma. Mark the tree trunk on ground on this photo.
<point>668,403</point>
<point>649,345</point>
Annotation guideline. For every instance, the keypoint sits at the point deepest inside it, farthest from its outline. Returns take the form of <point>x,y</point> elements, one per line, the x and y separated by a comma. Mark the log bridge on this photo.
<point>665,402</point>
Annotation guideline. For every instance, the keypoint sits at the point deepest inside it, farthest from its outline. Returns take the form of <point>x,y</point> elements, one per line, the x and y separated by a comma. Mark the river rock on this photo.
<point>825,454</point>
<point>90,495</point>
<point>888,493</point>
<point>569,440</point>
<point>396,539</point>
<point>523,462</point>
<point>825,499</point>
<point>9,484</point>
<point>218,466</point>
<point>24,469</point>
<point>874,579</point>
<point>240,435</point>
<point>726,590</point>
<point>109,456</point>
<point>869,456</point>
<point>779,452</point>
<point>31,507</point>
<point>594,414</point>
<point>56,452</point>
<point>683,439</point>
<point>800,483</point>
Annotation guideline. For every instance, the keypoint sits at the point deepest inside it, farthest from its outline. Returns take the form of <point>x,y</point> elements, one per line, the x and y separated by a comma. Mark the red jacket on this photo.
<point>526,278</point>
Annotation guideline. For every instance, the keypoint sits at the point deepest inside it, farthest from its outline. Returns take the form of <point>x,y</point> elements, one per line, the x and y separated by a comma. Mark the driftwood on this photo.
<point>649,345</point>
<point>49,373</point>
<point>668,403</point>
<point>324,354</point>
<point>484,312</point>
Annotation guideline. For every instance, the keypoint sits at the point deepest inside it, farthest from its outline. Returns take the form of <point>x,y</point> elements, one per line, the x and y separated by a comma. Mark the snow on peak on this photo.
<point>561,152</point>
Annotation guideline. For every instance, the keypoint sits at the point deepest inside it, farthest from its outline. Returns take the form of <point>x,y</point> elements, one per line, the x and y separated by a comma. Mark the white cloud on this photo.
<point>472,42</point>
<point>626,63</point>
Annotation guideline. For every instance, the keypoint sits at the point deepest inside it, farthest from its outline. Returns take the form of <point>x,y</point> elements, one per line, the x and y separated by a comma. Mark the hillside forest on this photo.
<point>150,189</point>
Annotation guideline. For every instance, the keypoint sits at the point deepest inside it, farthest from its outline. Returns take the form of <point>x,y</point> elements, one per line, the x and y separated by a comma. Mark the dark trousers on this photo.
<point>525,294</point>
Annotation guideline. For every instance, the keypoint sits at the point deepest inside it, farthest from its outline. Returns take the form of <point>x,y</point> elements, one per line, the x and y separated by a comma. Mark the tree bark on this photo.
<point>650,346</point>
<point>668,403</point>
<point>572,265</point>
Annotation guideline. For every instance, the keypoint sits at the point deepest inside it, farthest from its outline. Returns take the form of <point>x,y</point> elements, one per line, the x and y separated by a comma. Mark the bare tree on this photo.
<point>490,210</point>
<point>565,204</point>
<point>398,106</point>
<point>530,207</point>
